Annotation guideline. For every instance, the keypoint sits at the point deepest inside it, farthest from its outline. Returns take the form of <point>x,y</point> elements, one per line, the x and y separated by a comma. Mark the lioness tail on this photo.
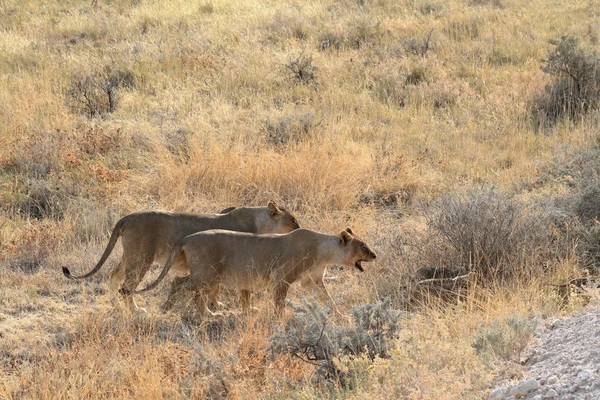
<point>116,233</point>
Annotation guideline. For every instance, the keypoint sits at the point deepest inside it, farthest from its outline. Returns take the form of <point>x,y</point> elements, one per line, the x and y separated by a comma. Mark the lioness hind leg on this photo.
<point>133,277</point>
<point>115,277</point>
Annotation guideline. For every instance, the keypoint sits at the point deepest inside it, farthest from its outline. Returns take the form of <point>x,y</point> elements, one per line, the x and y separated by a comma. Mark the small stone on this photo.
<point>524,387</point>
<point>554,324</point>
<point>538,397</point>
<point>583,375</point>
<point>497,394</point>
<point>574,388</point>
<point>551,394</point>
<point>552,380</point>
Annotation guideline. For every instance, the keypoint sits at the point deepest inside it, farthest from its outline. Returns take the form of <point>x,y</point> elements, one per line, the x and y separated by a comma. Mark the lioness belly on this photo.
<point>245,278</point>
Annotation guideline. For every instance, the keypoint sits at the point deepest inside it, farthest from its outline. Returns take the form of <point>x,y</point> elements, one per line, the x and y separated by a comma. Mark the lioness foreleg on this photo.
<point>280,293</point>
<point>213,303</point>
<point>245,300</point>
<point>204,306</point>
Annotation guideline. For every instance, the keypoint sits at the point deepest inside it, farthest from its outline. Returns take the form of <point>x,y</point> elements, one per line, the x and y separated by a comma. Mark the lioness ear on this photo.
<point>273,209</point>
<point>345,238</point>
<point>349,231</point>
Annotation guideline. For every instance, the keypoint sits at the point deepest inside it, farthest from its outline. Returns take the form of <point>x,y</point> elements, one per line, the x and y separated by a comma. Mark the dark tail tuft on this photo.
<point>67,273</point>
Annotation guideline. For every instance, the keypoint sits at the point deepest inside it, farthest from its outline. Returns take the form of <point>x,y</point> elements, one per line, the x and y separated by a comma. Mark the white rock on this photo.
<point>538,397</point>
<point>574,388</point>
<point>551,394</point>
<point>552,380</point>
<point>583,375</point>
<point>497,394</point>
<point>522,388</point>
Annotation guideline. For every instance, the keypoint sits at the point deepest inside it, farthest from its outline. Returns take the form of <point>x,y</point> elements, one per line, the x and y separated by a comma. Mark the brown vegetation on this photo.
<point>390,117</point>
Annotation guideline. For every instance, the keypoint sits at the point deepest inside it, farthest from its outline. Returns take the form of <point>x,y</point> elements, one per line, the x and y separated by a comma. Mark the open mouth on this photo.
<point>358,265</point>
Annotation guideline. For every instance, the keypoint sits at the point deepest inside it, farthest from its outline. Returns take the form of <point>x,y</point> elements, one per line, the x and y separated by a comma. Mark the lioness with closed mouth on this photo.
<point>252,262</point>
<point>150,236</point>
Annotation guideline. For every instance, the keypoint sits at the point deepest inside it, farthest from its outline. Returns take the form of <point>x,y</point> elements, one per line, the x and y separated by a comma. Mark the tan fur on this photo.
<point>251,262</point>
<point>150,236</point>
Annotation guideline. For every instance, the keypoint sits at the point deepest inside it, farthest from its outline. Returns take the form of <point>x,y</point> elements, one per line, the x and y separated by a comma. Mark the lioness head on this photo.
<point>279,220</point>
<point>358,252</point>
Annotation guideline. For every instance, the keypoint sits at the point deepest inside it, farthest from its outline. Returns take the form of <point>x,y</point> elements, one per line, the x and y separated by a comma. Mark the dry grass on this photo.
<point>209,112</point>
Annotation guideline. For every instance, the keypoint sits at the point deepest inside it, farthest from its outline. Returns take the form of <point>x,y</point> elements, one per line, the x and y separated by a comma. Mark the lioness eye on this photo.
<point>362,246</point>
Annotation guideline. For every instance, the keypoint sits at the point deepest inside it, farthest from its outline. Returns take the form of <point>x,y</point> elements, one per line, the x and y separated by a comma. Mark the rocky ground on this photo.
<point>563,361</point>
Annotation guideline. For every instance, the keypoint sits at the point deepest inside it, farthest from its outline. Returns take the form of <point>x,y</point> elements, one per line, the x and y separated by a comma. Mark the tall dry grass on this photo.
<point>210,111</point>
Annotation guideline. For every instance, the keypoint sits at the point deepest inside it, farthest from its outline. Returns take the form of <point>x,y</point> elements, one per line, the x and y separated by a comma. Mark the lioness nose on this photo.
<point>373,255</point>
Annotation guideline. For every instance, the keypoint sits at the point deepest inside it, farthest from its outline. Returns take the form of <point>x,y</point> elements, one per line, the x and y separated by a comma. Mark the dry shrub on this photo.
<point>418,47</point>
<point>312,337</point>
<point>302,69</point>
<point>96,94</point>
<point>487,232</point>
<point>575,87</point>
<point>505,339</point>
<point>290,128</point>
<point>576,211</point>
<point>99,356</point>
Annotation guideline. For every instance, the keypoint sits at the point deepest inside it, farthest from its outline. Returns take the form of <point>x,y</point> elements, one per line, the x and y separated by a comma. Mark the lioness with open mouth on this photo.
<point>150,236</point>
<point>251,262</point>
